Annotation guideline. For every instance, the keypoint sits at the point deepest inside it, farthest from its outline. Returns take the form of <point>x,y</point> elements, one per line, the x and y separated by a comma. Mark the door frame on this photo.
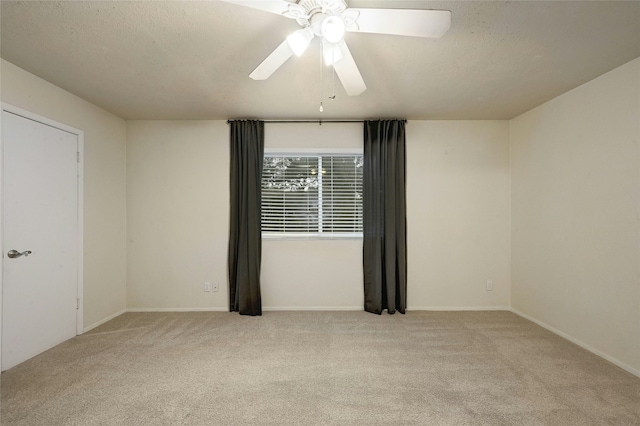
<point>80,188</point>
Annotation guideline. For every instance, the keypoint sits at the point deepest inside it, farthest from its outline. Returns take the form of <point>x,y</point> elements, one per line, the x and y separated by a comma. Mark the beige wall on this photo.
<point>458,213</point>
<point>104,184</point>
<point>177,214</point>
<point>575,214</point>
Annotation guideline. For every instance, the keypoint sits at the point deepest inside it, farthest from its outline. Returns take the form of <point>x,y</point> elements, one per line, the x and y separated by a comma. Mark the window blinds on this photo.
<point>312,194</point>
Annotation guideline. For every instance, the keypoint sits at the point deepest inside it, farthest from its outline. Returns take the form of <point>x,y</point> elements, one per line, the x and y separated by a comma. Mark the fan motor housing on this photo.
<point>312,8</point>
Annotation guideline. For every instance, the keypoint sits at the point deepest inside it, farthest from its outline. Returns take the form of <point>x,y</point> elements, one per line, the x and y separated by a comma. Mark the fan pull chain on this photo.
<point>321,81</point>
<point>333,75</point>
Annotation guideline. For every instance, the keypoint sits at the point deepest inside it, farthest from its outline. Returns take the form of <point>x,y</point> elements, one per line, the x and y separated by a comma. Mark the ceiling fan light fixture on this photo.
<point>299,41</point>
<point>333,29</point>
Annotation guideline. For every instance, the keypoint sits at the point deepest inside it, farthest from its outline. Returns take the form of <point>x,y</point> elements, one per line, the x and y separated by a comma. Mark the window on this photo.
<point>312,195</point>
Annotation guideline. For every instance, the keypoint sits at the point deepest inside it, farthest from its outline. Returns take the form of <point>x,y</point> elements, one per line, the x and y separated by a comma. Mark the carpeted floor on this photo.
<point>319,368</point>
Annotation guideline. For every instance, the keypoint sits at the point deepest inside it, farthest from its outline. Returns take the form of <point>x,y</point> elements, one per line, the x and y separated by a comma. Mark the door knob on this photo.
<point>15,253</point>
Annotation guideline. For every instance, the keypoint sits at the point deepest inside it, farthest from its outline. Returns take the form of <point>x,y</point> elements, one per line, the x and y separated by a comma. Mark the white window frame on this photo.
<point>302,152</point>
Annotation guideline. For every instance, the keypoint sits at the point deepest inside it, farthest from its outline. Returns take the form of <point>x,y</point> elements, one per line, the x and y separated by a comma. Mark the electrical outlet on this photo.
<point>489,285</point>
<point>215,287</point>
<point>207,287</point>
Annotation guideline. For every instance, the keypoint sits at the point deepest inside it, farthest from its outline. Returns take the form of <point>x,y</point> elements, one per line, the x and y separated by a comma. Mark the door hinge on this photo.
<point>78,156</point>
<point>77,304</point>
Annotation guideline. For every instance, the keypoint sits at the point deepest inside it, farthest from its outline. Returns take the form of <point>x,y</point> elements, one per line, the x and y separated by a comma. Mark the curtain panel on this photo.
<point>384,217</point>
<point>245,239</point>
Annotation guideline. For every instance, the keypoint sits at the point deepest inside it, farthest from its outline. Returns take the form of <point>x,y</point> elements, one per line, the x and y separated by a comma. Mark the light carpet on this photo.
<point>319,368</point>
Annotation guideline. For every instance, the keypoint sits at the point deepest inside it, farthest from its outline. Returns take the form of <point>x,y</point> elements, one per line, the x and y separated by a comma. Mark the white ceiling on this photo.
<point>191,59</point>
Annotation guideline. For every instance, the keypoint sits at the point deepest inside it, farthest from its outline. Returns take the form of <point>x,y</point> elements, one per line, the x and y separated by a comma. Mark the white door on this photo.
<point>40,216</point>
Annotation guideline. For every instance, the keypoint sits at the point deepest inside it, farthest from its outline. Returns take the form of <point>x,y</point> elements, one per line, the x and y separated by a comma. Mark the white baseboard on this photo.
<point>264,309</point>
<point>313,308</point>
<point>324,308</point>
<point>99,323</point>
<point>178,310</point>
<point>583,345</point>
<point>458,308</point>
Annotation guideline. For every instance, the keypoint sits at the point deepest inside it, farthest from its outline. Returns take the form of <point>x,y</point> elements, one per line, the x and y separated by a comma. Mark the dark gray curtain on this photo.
<point>384,217</point>
<point>245,239</point>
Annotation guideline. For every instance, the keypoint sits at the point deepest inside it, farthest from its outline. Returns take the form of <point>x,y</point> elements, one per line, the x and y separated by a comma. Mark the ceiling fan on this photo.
<point>329,19</point>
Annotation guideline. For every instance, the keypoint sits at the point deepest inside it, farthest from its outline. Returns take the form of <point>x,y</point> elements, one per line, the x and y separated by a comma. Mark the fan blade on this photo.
<point>405,22</point>
<point>348,72</point>
<point>274,6</point>
<point>272,62</point>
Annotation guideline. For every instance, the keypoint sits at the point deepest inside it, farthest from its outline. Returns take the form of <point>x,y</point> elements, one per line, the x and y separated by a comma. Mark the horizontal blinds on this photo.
<point>342,194</point>
<point>312,194</point>
<point>290,194</point>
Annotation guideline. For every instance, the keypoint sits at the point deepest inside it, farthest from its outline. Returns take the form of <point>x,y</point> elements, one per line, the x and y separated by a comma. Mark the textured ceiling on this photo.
<point>191,59</point>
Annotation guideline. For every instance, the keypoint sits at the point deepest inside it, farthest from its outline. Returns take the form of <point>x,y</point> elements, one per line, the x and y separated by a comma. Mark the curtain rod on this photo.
<point>311,121</point>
